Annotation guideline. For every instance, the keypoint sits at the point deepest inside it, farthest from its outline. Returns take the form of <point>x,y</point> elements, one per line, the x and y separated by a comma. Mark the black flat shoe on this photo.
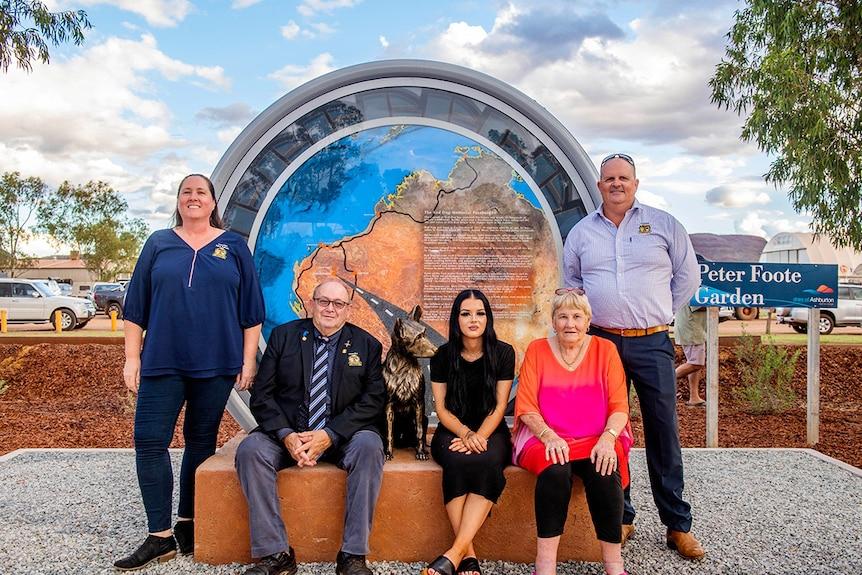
<point>184,533</point>
<point>153,549</point>
<point>469,565</point>
<point>442,565</point>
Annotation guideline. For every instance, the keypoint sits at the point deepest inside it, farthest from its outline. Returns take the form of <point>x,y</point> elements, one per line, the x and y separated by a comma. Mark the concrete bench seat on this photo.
<point>410,522</point>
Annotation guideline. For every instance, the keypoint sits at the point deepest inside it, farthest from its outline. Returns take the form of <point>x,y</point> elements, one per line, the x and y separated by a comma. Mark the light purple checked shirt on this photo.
<point>636,275</point>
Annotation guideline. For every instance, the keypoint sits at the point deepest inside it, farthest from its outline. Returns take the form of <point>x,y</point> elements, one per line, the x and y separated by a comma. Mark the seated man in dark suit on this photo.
<point>319,395</point>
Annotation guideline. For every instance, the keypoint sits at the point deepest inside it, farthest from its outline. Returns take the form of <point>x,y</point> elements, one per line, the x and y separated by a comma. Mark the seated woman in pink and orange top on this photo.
<point>571,418</point>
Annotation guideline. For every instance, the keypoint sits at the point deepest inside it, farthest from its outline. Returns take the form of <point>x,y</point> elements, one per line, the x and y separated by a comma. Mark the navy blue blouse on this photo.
<point>193,305</point>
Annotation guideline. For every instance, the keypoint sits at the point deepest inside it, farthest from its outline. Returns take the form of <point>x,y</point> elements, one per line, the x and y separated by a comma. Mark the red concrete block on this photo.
<point>410,522</point>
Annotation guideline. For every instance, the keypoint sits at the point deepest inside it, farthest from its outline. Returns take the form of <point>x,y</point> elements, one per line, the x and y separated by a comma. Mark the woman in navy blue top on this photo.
<point>196,294</point>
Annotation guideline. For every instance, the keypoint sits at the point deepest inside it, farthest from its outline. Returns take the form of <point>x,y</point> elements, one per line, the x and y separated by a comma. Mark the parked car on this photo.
<point>28,301</point>
<point>111,300</point>
<point>848,312</point>
<point>99,287</point>
<point>51,285</point>
<point>65,289</point>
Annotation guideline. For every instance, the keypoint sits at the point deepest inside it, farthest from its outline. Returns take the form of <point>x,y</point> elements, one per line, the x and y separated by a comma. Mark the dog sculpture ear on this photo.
<point>416,314</point>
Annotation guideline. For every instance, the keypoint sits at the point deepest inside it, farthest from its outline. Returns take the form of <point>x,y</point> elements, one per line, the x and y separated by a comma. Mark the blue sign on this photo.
<point>759,284</point>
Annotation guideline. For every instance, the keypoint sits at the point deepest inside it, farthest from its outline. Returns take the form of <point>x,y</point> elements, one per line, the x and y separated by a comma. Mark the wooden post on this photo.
<point>712,377</point>
<point>58,321</point>
<point>769,322</point>
<point>4,314</point>
<point>813,390</point>
<point>113,320</point>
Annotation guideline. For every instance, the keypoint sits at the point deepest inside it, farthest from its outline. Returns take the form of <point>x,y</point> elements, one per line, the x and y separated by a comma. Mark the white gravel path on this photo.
<point>756,511</point>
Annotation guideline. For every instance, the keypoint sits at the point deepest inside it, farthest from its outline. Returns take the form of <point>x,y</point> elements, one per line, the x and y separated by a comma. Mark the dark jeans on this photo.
<point>160,399</point>
<point>604,498</point>
<point>649,366</point>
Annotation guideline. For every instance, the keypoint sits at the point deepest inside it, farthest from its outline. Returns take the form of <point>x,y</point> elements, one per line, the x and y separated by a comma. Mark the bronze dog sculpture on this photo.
<point>405,383</point>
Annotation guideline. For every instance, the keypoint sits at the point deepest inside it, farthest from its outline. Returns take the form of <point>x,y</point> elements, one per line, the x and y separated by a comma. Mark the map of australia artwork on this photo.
<point>410,215</point>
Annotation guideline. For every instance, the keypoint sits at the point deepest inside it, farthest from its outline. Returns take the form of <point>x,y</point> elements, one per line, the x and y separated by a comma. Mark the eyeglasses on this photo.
<point>565,290</point>
<point>323,303</point>
<point>625,157</point>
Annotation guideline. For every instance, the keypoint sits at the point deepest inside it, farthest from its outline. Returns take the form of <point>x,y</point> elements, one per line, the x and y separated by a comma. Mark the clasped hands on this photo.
<point>306,447</point>
<point>470,442</point>
<point>602,454</point>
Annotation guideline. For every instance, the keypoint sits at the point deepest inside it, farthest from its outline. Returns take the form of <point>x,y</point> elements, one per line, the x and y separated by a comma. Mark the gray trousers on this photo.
<point>260,457</point>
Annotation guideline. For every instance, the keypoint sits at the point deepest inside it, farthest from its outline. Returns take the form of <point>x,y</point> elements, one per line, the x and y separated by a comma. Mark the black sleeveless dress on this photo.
<point>479,473</point>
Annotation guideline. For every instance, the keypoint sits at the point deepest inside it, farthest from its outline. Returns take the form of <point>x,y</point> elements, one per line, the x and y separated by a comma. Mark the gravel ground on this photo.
<point>756,511</point>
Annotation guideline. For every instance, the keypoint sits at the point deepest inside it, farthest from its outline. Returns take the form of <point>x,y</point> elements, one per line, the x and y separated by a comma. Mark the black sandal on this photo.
<point>469,565</point>
<point>442,565</point>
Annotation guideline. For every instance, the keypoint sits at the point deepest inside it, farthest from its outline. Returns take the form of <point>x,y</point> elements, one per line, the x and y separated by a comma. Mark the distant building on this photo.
<point>802,248</point>
<point>64,269</point>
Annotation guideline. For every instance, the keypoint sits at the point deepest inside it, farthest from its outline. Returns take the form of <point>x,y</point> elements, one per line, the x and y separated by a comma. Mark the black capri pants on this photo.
<point>604,498</point>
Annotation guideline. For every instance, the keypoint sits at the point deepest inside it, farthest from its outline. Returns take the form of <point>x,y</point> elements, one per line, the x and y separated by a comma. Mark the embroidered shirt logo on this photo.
<point>353,359</point>
<point>644,229</point>
<point>220,251</point>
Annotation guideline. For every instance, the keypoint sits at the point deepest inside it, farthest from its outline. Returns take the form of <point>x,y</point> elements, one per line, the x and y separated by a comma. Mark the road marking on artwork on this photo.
<point>374,300</point>
<point>388,312</point>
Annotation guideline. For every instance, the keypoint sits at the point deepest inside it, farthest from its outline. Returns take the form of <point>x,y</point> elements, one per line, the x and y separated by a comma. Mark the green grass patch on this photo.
<point>802,339</point>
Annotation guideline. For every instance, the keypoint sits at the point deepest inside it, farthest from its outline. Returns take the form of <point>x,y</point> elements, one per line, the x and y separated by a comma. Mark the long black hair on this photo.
<point>458,395</point>
<point>215,219</point>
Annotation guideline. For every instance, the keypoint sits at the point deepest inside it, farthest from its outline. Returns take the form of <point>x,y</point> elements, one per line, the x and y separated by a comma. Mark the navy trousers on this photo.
<point>649,366</point>
<point>160,399</point>
<point>260,457</point>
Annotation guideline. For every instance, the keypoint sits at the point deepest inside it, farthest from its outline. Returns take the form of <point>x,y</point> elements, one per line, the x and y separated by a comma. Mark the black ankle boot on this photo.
<point>153,548</point>
<point>184,533</point>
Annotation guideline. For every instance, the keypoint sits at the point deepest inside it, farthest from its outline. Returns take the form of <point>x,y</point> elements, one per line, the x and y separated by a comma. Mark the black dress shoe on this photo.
<point>277,564</point>
<point>347,564</point>
<point>153,549</point>
<point>184,533</point>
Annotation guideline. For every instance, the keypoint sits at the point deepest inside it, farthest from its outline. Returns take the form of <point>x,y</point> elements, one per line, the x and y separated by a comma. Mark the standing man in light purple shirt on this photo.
<point>636,264</point>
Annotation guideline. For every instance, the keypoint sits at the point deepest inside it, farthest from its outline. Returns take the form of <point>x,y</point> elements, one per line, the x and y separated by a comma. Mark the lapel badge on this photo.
<point>645,229</point>
<point>220,251</point>
<point>353,359</point>
<point>305,335</point>
<point>344,349</point>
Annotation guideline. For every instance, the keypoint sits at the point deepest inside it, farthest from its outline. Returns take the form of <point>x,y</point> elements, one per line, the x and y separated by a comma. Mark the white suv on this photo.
<point>27,301</point>
<point>848,312</point>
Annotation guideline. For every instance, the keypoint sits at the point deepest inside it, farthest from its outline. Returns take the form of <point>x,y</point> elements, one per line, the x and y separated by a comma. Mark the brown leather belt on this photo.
<point>632,332</point>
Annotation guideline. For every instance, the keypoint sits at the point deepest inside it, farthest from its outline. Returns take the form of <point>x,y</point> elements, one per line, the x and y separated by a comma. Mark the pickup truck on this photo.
<point>111,300</point>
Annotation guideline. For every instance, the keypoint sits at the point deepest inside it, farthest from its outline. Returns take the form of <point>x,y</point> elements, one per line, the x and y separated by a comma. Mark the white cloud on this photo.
<point>651,199</point>
<point>768,223</point>
<point>738,195</point>
<point>162,13</point>
<point>292,75</point>
<point>311,7</point>
<point>383,41</point>
<point>290,30</point>
<point>97,116</point>
<point>241,4</point>
<point>647,84</point>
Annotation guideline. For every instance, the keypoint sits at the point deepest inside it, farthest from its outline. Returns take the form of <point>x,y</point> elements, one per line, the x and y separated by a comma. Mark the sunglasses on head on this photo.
<point>625,157</point>
<point>565,290</point>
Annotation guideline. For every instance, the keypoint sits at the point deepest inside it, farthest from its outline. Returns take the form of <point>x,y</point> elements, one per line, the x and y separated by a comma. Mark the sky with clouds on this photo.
<point>160,88</point>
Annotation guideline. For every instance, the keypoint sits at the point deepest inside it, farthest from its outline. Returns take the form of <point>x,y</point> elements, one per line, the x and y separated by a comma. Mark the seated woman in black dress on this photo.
<point>471,377</point>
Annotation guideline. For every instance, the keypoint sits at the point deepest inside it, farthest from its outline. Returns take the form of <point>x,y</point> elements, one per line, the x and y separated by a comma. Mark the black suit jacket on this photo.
<point>358,391</point>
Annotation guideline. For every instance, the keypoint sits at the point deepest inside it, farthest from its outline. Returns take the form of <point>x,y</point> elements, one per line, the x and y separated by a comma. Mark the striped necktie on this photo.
<point>318,390</point>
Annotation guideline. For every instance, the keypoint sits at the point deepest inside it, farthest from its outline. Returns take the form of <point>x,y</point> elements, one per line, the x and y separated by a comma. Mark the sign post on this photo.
<point>712,376</point>
<point>759,284</point>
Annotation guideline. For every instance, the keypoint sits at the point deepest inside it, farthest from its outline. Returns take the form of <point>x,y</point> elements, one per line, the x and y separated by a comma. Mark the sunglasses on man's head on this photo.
<point>563,291</point>
<point>625,157</point>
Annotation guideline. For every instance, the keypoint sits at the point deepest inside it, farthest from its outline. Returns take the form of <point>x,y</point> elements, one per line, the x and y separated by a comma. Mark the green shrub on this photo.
<point>765,372</point>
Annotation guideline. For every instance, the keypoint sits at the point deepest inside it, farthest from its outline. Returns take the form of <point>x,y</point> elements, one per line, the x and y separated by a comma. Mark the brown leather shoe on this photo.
<point>685,544</point>
<point>628,531</point>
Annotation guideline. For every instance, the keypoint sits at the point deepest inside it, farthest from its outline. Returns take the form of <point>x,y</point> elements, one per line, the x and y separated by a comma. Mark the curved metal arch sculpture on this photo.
<point>316,116</point>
